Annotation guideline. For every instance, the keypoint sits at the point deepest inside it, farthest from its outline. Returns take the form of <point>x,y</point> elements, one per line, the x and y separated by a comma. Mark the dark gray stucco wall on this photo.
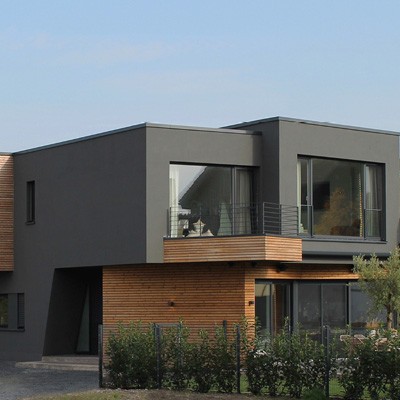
<point>270,163</point>
<point>90,201</point>
<point>90,211</point>
<point>298,138</point>
<point>201,146</point>
<point>285,139</point>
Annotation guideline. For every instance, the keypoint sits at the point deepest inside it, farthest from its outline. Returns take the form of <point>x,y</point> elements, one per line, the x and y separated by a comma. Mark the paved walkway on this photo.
<point>19,383</point>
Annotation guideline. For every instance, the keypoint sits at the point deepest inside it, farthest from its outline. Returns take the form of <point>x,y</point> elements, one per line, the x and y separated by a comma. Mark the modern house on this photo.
<point>160,223</point>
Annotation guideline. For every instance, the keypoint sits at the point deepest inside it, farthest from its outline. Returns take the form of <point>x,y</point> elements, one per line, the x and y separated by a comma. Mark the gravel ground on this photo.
<point>19,383</point>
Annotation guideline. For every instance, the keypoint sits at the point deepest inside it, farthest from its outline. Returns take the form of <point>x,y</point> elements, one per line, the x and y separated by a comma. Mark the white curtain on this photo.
<point>173,199</point>
<point>372,200</point>
<point>243,202</point>
<point>225,224</point>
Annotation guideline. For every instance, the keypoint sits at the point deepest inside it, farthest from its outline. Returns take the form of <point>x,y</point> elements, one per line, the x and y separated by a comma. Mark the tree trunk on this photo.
<point>389,319</point>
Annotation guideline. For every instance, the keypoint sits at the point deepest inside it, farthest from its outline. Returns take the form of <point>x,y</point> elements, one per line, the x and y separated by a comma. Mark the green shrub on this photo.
<point>392,368</point>
<point>255,368</point>
<point>201,363</point>
<point>372,365</point>
<point>263,366</point>
<point>288,363</point>
<point>176,356</point>
<point>302,360</point>
<point>132,357</point>
<point>223,362</point>
<point>349,375</point>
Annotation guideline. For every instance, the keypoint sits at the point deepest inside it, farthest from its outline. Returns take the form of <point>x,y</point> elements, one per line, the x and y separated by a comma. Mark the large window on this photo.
<point>211,200</point>
<point>322,304</point>
<point>309,306</point>
<point>340,198</point>
<point>361,316</point>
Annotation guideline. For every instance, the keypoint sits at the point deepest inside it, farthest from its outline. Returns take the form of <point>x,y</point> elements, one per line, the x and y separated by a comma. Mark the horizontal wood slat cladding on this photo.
<point>202,294</point>
<point>234,248</point>
<point>6,213</point>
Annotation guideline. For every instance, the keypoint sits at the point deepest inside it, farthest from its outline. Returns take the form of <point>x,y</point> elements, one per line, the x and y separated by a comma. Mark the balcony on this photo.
<point>239,232</point>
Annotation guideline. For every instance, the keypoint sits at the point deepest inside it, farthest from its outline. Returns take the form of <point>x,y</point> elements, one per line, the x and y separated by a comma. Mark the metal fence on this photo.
<point>160,331</point>
<point>234,334</point>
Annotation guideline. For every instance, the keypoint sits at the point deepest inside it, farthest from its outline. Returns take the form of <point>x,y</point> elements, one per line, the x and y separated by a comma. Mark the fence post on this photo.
<point>100,351</point>
<point>158,354</point>
<point>326,341</point>
<point>238,359</point>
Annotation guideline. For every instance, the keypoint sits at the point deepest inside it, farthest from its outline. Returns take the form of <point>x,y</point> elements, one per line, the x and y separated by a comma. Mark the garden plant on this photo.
<point>288,364</point>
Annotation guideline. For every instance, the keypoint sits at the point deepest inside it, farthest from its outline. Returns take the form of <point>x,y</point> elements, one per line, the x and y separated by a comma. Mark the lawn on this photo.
<point>107,394</point>
<point>146,395</point>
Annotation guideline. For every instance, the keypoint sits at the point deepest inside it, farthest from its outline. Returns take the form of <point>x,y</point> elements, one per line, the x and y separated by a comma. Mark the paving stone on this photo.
<point>19,383</point>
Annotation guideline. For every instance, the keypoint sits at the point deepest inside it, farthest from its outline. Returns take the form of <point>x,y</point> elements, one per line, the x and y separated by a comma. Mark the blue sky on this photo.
<point>74,68</point>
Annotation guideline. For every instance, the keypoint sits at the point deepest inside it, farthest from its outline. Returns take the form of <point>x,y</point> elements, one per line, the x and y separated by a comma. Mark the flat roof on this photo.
<point>304,121</point>
<point>231,129</point>
<point>138,126</point>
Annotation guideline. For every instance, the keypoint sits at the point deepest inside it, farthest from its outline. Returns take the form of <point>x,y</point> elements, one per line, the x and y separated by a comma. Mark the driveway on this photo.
<point>19,383</point>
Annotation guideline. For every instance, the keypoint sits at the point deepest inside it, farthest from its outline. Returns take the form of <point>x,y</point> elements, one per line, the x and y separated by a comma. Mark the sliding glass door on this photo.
<point>272,306</point>
<point>320,304</point>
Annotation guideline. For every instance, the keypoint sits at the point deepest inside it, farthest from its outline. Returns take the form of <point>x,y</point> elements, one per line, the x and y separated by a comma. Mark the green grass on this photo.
<point>335,391</point>
<point>109,395</point>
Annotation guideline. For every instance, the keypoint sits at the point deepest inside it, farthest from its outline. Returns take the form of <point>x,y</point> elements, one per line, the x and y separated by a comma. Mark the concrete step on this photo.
<point>72,359</point>
<point>64,363</point>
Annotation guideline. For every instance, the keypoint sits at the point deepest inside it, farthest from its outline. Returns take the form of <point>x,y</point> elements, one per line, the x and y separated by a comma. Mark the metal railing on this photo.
<point>233,220</point>
<point>280,219</point>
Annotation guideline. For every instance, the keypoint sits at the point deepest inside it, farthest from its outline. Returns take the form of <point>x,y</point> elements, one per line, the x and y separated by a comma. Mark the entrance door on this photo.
<point>83,345</point>
<point>75,311</point>
<point>272,306</point>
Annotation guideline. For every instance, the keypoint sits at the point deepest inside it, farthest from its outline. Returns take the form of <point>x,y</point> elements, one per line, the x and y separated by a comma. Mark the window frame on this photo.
<point>30,202</point>
<point>15,312</point>
<point>5,298</point>
<point>270,327</point>
<point>321,285</point>
<point>234,201</point>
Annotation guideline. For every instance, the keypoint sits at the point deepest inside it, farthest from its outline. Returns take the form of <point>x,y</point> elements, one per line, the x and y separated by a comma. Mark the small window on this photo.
<point>3,311</point>
<point>30,202</point>
<point>12,311</point>
<point>21,311</point>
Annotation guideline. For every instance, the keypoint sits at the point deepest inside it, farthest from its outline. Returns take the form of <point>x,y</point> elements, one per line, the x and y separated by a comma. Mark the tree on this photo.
<point>381,281</point>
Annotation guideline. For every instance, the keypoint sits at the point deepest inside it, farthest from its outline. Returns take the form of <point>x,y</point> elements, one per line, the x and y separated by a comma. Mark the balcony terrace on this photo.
<point>238,232</point>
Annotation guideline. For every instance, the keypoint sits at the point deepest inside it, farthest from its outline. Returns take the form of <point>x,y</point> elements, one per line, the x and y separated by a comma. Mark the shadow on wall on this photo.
<point>75,311</point>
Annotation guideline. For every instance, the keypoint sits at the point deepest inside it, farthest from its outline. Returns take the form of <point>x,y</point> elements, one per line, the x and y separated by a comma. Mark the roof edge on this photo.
<point>310,122</point>
<point>134,127</point>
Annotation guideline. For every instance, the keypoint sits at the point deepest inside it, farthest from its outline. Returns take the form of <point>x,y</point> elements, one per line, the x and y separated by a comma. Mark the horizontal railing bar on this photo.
<point>233,219</point>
